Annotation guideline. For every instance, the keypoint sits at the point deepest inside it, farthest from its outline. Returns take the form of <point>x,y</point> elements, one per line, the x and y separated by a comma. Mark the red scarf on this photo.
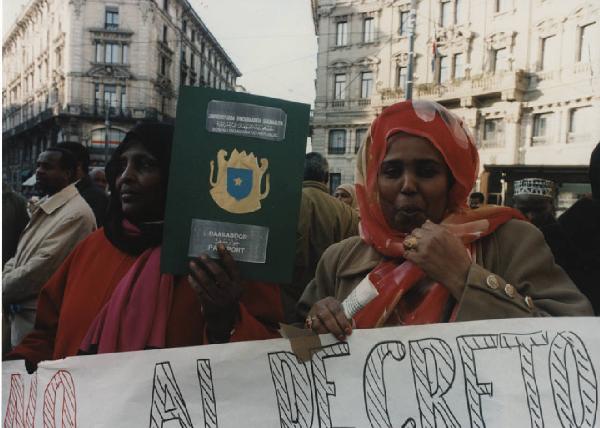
<point>135,317</point>
<point>394,278</point>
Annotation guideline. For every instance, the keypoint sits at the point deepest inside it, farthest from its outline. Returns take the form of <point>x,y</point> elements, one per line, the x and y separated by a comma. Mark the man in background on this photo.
<point>323,221</point>
<point>534,197</point>
<point>58,222</point>
<point>98,177</point>
<point>581,223</point>
<point>95,197</point>
<point>476,200</point>
<point>14,220</point>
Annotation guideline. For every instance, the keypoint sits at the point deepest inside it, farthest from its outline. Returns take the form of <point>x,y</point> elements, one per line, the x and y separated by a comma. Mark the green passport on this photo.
<point>236,177</point>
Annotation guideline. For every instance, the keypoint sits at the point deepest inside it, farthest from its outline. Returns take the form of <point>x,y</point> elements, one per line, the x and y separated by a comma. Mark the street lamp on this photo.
<point>106,130</point>
<point>412,24</point>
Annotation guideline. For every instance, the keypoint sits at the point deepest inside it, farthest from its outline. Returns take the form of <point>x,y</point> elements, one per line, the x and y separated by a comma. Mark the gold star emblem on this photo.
<point>237,181</point>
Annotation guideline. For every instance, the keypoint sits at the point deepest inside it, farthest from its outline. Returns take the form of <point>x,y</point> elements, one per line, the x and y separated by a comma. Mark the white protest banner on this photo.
<point>505,373</point>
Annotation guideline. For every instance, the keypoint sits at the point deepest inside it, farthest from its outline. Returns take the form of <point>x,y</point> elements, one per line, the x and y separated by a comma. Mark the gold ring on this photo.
<point>410,243</point>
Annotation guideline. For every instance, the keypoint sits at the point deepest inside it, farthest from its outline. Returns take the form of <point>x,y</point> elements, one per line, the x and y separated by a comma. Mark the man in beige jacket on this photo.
<point>58,222</point>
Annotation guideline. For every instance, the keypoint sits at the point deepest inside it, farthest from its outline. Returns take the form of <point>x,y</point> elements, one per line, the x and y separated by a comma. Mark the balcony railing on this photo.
<point>582,137</point>
<point>163,45</point>
<point>86,110</point>
<point>491,143</point>
<point>392,94</point>
<point>336,150</point>
<point>14,127</point>
<point>509,83</point>
<point>361,102</point>
<point>18,121</point>
<point>111,30</point>
<point>581,67</point>
<point>540,140</point>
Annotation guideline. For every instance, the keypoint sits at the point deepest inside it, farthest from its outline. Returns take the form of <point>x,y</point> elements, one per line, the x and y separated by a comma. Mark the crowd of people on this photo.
<point>81,272</point>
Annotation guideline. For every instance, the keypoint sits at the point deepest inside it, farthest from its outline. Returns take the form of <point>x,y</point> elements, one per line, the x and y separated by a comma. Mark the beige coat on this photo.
<point>323,220</point>
<point>57,224</point>
<point>515,254</point>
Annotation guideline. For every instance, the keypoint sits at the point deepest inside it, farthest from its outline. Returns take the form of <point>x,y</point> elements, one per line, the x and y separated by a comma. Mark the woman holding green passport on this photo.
<point>110,296</point>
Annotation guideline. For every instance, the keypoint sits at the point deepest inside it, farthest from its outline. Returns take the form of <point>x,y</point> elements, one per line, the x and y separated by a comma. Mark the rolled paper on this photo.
<point>364,292</point>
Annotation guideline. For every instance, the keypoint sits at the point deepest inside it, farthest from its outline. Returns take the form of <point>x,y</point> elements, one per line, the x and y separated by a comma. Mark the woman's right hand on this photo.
<point>219,289</point>
<point>327,316</point>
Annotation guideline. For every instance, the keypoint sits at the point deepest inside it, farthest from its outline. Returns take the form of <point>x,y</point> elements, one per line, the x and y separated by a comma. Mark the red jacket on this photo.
<point>75,294</point>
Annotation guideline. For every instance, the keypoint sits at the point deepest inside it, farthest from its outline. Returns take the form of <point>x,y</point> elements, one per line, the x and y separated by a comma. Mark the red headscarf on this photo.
<point>393,278</point>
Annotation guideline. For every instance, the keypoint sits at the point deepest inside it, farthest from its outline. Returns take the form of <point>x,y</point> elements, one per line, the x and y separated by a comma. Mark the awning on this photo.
<point>30,182</point>
<point>557,173</point>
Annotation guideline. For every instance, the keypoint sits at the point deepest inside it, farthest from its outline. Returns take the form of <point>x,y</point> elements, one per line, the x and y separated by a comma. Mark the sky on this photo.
<point>272,42</point>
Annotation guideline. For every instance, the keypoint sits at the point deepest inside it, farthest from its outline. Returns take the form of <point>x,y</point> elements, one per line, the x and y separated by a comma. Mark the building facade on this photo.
<point>88,70</point>
<point>523,74</point>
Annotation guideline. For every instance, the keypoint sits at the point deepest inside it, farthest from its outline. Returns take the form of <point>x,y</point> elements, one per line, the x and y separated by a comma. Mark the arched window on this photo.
<point>102,147</point>
<point>115,136</point>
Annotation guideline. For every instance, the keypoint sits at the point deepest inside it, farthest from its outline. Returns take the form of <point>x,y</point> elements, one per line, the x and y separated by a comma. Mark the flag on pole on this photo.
<point>434,52</point>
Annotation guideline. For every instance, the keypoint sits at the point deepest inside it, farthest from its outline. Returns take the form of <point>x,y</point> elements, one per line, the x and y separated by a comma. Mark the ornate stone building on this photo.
<point>524,75</point>
<point>87,71</point>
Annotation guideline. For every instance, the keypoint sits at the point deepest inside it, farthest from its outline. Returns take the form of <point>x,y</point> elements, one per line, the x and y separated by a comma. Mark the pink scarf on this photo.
<point>135,317</point>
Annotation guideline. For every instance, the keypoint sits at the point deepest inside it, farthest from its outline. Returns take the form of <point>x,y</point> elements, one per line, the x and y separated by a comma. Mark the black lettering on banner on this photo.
<point>374,389</point>
<point>291,379</point>
<point>323,387</point>
<point>61,379</point>
<point>525,343</point>
<point>585,385</point>
<point>432,385</point>
<point>467,345</point>
<point>16,414</point>
<point>167,401</point>
<point>207,391</point>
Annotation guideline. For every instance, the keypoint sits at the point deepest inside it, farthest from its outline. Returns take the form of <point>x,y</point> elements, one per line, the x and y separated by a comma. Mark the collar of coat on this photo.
<point>57,200</point>
<point>315,185</point>
<point>84,183</point>
<point>357,258</point>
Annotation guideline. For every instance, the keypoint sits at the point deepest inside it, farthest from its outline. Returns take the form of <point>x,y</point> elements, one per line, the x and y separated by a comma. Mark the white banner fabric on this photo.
<point>504,373</point>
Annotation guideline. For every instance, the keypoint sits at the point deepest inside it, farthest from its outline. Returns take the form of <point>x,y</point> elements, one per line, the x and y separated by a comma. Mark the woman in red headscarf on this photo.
<point>423,256</point>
